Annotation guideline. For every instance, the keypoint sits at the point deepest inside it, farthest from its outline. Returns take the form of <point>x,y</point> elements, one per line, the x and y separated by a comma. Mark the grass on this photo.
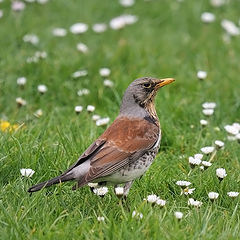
<point>169,40</point>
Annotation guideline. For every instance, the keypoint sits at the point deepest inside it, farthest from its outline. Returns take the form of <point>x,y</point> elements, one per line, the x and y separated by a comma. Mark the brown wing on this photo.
<point>123,141</point>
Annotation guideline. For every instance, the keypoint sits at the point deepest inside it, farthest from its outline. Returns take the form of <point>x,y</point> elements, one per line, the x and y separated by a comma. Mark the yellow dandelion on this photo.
<point>4,125</point>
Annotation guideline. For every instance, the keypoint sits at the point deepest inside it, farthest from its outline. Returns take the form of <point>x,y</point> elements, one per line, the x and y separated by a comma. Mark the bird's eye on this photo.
<point>147,85</point>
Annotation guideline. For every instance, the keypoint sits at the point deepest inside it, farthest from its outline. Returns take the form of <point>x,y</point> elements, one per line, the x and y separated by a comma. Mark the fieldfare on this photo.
<point>127,148</point>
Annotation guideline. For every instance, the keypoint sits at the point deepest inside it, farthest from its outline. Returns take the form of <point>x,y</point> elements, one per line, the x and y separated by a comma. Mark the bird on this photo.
<point>127,148</point>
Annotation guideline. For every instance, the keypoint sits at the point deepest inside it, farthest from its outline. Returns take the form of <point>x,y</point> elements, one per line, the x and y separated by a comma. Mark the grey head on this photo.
<point>138,99</point>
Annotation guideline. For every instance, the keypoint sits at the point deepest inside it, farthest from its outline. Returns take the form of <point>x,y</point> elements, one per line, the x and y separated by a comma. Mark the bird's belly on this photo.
<point>133,170</point>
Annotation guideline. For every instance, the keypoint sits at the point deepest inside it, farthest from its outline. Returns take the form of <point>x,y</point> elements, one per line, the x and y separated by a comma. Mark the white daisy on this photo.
<point>194,161</point>
<point>90,108</point>
<point>59,32</point>
<point>208,17</point>
<point>18,6</point>
<point>217,3</point>
<point>119,191</point>
<point>152,198</point>
<point>221,173</point>
<point>207,150</point>
<point>21,102</point>
<point>95,117</point>
<point>31,38</point>
<point>187,191</point>
<point>219,144</point>
<point>78,109</point>
<point>99,27</point>
<point>104,72</point>
<point>237,126</point>
<point>203,122</point>
<point>100,219</point>
<point>231,129</point>
<point>213,195</point>
<point>39,54</point>
<point>209,105</point>
<point>201,75</point>
<point>78,28</point>
<point>230,27</point>
<point>21,81</point>
<point>27,172</point>
<point>102,121</point>
<point>83,91</point>
<point>206,164</point>
<point>42,88</point>
<point>208,112</point>
<point>108,83</point>
<point>101,191</point>
<point>122,21</point>
<point>195,203</point>
<point>233,194</point>
<point>80,73</point>
<point>198,156</point>
<point>178,215</point>
<point>161,202</point>
<point>81,47</point>
<point>38,113</point>
<point>183,183</point>
<point>127,3</point>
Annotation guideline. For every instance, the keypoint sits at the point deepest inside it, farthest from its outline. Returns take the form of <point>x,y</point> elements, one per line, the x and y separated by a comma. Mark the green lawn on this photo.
<point>169,40</point>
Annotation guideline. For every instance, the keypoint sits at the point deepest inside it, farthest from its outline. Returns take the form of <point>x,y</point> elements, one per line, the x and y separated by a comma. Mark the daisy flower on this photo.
<point>78,109</point>
<point>201,75</point>
<point>102,121</point>
<point>119,191</point>
<point>208,17</point>
<point>99,27</point>
<point>203,122</point>
<point>230,27</point>
<point>27,172</point>
<point>81,47</point>
<point>209,105</point>
<point>233,194</point>
<point>90,108</point>
<point>221,173</point>
<point>213,195</point>
<point>21,102</point>
<point>207,150</point>
<point>78,28</point>
<point>21,81</point>
<point>100,219</point>
<point>178,215</point>
<point>183,184</point>
<point>104,72</point>
<point>219,144</point>
<point>208,112</point>
<point>42,88</point>
<point>59,32</point>
<point>101,191</point>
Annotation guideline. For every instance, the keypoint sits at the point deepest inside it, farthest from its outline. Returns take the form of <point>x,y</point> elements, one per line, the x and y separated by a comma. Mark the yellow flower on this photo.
<point>4,125</point>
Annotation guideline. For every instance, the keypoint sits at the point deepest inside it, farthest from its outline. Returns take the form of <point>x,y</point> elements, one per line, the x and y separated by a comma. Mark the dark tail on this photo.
<point>62,178</point>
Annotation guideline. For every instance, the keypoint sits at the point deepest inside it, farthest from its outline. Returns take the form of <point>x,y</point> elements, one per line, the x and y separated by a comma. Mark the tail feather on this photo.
<point>58,179</point>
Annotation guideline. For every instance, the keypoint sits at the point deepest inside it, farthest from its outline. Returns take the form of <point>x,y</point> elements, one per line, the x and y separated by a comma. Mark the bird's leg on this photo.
<point>126,188</point>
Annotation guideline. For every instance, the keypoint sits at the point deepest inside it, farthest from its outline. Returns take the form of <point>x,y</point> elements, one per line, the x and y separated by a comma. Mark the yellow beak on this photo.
<point>163,82</point>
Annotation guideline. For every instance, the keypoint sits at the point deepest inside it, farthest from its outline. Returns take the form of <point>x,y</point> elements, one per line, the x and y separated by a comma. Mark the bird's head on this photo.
<point>141,93</point>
